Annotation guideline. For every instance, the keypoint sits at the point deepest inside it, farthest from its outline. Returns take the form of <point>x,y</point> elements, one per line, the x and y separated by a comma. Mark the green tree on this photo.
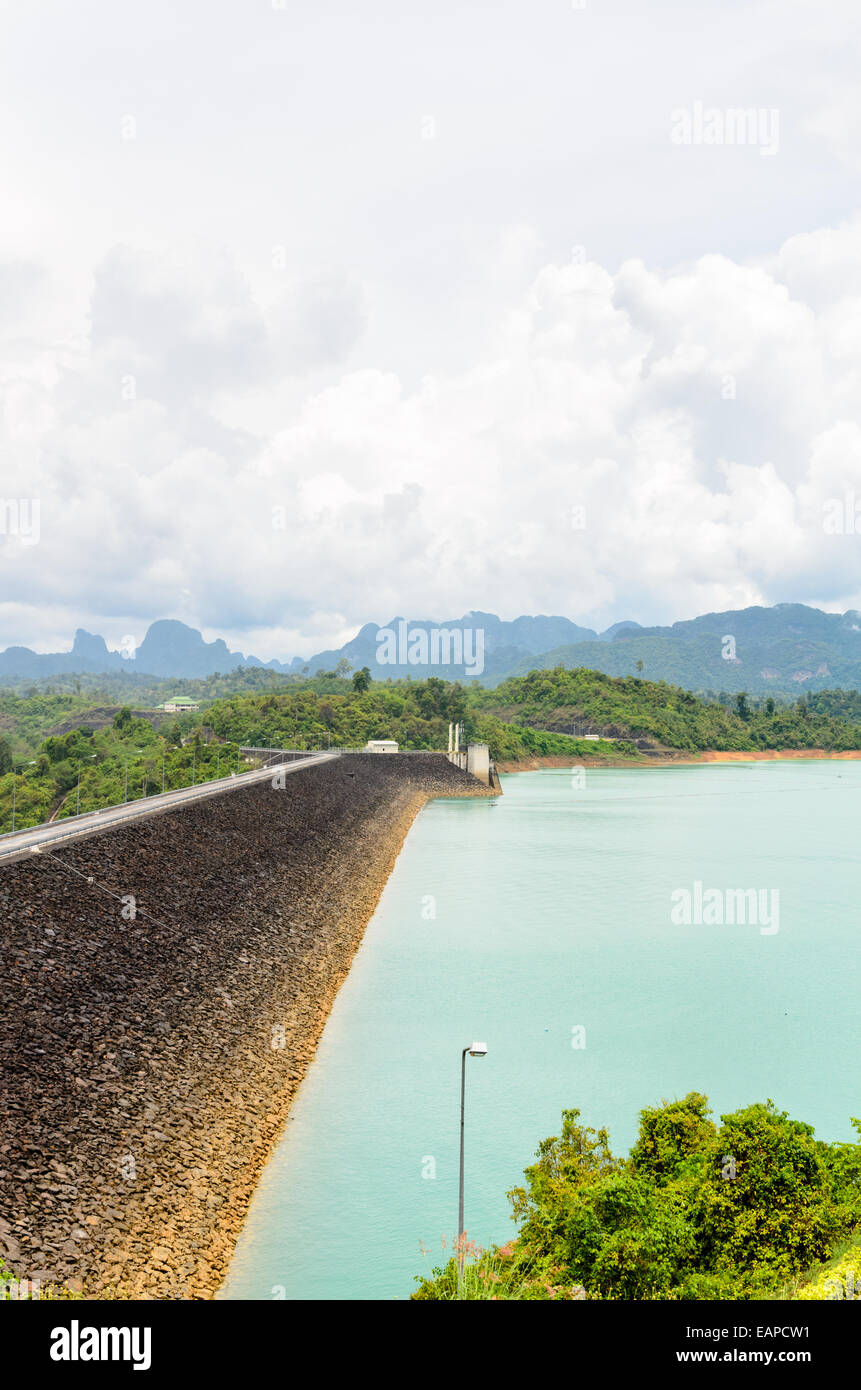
<point>670,1135</point>
<point>766,1201</point>
<point>362,679</point>
<point>695,1212</point>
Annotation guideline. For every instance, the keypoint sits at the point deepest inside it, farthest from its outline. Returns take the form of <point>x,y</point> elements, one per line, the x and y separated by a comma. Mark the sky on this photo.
<point>314,314</point>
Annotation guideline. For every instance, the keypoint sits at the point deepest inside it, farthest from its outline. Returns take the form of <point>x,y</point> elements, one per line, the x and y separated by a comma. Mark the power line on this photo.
<point>89,879</point>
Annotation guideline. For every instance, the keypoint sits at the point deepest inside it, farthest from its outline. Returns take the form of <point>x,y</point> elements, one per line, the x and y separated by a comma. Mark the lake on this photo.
<point>553,924</point>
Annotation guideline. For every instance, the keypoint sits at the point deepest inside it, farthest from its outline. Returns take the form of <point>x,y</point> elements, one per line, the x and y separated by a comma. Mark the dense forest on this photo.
<point>86,769</point>
<point>336,712</point>
<point>128,756</point>
<point>751,1208</point>
<point>666,716</point>
<point>128,687</point>
<point>69,751</point>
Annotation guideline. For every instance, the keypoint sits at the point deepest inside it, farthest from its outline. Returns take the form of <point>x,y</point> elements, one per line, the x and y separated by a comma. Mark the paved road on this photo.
<point>26,842</point>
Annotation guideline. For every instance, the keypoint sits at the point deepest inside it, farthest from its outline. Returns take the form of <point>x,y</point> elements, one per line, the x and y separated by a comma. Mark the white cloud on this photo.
<point>278,295</point>
<point>602,392</point>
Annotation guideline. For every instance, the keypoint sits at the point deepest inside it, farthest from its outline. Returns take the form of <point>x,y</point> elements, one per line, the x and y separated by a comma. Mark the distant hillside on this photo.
<point>58,744</point>
<point>169,648</point>
<point>484,645</point>
<point>778,651</point>
<point>68,758</point>
<point>489,657</point>
<point>654,714</point>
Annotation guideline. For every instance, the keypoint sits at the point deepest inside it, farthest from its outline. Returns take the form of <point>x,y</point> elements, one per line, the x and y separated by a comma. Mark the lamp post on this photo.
<point>31,763</point>
<point>126,754</point>
<point>78,795</point>
<point>476,1049</point>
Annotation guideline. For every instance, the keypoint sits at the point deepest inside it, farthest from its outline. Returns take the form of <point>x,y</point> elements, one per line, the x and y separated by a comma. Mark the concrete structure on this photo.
<point>478,761</point>
<point>381,745</point>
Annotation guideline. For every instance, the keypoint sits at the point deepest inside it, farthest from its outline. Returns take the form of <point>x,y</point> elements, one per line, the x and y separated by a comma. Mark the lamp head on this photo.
<point>478,1049</point>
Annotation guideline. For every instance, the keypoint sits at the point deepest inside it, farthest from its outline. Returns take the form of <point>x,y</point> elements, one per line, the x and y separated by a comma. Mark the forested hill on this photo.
<point>778,651</point>
<point>331,711</point>
<point>584,701</point>
<point>68,757</point>
<point>88,759</point>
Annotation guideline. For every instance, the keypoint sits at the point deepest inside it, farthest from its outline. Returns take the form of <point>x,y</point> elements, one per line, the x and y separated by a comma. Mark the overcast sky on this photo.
<point>317,313</point>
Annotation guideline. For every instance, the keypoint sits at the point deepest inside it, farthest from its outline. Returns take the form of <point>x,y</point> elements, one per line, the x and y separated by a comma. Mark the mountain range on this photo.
<point>784,649</point>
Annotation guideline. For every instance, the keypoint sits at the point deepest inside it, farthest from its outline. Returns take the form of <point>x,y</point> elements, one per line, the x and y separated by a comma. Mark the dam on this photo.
<point>165,981</point>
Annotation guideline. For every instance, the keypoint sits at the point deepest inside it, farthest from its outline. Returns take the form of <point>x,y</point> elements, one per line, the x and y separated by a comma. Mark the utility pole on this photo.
<point>78,797</point>
<point>24,766</point>
<point>476,1049</point>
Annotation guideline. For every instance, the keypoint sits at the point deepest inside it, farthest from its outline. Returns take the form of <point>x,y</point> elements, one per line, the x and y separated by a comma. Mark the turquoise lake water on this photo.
<point>553,913</point>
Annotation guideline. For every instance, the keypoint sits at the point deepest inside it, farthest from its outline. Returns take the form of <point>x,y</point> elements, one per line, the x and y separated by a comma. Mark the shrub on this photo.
<point>696,1212</point>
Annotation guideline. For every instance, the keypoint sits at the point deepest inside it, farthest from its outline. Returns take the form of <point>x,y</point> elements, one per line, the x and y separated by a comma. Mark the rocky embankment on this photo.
<point>147,1065</point>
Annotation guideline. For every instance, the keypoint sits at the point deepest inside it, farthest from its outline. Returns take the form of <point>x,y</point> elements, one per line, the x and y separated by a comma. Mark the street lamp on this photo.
<point>476,1049</point>
<point>78,797</point>
<point>31,763</point>
<point>174,748</point>
<point>126,752</point>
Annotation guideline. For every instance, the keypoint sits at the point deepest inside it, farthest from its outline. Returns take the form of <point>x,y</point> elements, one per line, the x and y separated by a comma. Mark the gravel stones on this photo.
<point>147,1065</point>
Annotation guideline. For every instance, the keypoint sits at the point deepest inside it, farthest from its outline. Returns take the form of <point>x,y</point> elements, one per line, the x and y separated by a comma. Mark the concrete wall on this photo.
<point>478,761</point>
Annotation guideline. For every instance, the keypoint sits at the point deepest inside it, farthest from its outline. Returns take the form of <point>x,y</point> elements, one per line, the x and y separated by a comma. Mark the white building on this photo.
<point>381,745</point>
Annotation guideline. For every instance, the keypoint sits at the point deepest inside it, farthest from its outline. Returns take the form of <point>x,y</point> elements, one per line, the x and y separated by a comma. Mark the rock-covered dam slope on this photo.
<point>147,1065</point>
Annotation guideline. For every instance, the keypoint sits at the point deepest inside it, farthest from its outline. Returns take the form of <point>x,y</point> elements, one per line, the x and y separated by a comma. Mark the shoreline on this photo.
<point>148,1067</point>
<point>683,759</point>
